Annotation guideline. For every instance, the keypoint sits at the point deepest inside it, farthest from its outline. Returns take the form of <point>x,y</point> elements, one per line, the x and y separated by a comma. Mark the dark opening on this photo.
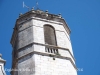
<point>50,38</point>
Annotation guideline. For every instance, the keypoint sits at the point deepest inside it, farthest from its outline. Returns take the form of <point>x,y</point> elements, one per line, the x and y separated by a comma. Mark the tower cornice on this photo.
<point>44,15</point>
<point>40,15</point>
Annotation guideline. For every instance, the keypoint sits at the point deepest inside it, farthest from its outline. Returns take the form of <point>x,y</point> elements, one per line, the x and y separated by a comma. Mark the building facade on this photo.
<point>41,45</point>
<point>2,63</point>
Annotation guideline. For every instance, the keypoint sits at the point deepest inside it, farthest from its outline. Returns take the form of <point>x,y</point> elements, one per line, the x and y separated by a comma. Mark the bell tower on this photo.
<point>41,45</point>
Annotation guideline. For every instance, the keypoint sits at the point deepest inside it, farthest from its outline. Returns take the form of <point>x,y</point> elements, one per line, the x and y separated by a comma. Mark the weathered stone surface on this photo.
<point>26,66</point>
<point>25,50</point>
<point>62,36</point>
<point>47,66</point>
<point>30,30</point>
<point>25,37</point>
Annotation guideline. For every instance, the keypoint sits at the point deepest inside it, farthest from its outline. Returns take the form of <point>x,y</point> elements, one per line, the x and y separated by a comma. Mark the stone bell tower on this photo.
<point>41,45</point>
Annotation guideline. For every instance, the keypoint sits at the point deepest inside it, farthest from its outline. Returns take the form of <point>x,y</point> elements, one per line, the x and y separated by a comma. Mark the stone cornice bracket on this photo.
<point>44,15</point>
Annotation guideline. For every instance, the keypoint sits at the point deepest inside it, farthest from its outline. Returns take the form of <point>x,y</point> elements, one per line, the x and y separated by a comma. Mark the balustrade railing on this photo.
<point>51,50</point>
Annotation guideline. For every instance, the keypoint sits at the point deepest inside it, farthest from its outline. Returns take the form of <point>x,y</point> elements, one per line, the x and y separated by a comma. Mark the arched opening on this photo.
<point>50,38</point>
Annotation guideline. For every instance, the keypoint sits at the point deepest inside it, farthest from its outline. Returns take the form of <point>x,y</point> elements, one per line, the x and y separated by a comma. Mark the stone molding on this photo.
<point>48,54</point>
<point>46,45</point>
<point>39,14</point>
<point>2,60</point>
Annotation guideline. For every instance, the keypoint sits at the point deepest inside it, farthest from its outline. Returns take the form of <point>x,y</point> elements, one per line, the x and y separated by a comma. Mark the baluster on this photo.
<point>48,50</point>
<point>51,50</point>
<point>54,51</point>
<point>57,51</point>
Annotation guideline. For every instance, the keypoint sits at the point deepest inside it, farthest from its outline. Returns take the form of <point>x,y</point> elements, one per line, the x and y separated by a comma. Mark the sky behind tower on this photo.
<point>82,17</point>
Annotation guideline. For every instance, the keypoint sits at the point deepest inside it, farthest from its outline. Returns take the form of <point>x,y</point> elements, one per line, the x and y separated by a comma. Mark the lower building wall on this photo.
<point>26,65</point>
<point>2,70</point>
<point>45,65</point>
<point>35,64</point>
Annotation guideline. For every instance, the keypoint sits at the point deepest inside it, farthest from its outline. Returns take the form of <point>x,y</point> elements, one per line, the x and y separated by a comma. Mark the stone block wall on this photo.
<point>47,66</point>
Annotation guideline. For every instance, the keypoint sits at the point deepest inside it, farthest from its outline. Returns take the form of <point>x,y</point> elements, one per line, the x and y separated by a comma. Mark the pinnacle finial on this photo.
<point>59,15</point>
<point>20,14</point>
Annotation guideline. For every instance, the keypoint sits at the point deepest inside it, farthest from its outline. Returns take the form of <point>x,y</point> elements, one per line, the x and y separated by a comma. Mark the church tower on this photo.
<point>41,45</point>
